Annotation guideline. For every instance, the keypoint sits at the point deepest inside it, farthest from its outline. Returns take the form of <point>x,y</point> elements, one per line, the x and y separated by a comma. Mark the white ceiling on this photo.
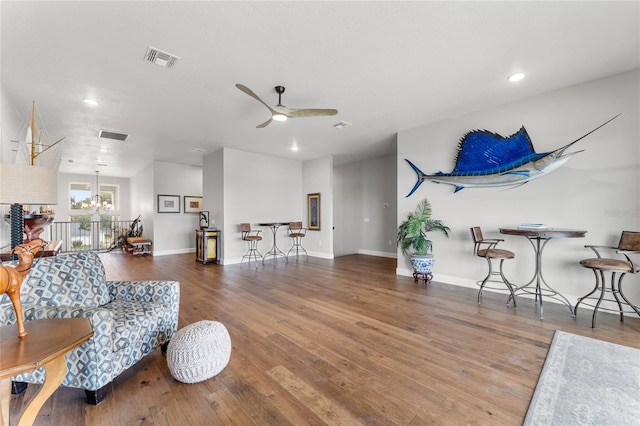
<point>386,66</point>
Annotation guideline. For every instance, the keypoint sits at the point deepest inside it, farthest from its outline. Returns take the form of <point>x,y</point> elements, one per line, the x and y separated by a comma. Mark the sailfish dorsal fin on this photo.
<point>482,150</point>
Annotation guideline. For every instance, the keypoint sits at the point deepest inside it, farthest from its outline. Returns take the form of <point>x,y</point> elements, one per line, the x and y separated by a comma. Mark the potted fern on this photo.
<point>413,238</point>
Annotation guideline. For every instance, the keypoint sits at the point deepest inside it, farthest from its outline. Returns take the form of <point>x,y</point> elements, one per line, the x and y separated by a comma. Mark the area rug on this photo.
<point>586,381</point>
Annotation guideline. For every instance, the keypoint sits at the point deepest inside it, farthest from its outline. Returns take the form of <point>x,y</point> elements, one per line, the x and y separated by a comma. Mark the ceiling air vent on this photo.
<point>111,135</point>
<point>158,57</point>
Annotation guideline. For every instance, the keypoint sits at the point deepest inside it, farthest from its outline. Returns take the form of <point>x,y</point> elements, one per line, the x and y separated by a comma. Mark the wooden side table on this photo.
<point>47,343</point>
<point>51,249</point>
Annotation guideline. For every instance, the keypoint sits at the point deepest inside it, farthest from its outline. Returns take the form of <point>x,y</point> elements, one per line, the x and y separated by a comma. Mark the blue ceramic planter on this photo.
<point>422,264</point>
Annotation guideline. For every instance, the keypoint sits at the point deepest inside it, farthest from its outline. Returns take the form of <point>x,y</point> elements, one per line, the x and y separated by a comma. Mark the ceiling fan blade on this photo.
<point>310,112</point>
<point>249,92</point>
<point>265,124</point>
<point>281,109</point>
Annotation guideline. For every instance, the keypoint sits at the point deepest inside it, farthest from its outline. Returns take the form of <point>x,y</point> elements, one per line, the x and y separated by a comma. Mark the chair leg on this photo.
<point>580,299</point>
<point>252,252</point>
<point>97,396</point>
<point>485,279</point>
<point>602,283</point>
<point>615,287</point>
<point>634,307</point>
<point>506,282</point>
<point>256,253</point>
<point>18,387</point>
<point>509,286</point>
<point>615,293</point>
<point>297,245</point>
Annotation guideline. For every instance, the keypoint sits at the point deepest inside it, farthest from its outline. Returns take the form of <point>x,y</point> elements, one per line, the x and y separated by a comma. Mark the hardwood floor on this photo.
<point>339,342</point>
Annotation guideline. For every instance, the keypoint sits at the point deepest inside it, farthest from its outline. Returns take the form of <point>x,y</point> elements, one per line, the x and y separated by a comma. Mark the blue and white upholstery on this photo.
<point>129,318</point>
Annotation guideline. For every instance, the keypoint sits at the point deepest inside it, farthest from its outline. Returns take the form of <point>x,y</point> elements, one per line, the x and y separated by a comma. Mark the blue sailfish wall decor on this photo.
<point>486,159</point>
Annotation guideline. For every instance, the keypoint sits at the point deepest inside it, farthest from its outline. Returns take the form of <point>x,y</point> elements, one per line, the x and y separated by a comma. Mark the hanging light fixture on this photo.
<point>98,204</point>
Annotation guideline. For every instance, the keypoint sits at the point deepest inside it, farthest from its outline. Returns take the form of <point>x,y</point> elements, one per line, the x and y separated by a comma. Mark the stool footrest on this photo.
<point>140,245</point>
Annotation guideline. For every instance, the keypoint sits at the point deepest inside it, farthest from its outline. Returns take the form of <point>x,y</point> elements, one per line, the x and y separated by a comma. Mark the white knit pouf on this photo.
<point>199,351</point>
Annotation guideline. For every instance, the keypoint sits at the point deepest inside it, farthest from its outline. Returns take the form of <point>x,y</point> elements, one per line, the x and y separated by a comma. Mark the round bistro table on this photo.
<point>539,237</point>
<point>275,251</point>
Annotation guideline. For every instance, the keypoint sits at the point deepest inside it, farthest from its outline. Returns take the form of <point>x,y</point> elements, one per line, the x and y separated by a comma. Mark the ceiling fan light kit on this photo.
<point>280,112</point>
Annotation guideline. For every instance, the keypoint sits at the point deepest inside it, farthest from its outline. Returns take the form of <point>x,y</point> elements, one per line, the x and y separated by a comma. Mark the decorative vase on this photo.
<point>422,264</point>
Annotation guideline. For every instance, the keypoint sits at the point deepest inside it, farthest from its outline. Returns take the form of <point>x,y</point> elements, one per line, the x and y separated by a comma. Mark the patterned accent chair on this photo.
<point>129,318</point>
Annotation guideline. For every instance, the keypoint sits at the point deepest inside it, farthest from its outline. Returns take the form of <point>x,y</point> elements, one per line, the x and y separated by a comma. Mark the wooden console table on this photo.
<point>47,343</point>
<point>51,249</point>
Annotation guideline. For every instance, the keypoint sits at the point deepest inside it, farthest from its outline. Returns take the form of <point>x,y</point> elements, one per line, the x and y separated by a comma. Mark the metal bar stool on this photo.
<point>297,233</point>
<point>486,248</point>
<point>252,237</point>
<point>629,244</point>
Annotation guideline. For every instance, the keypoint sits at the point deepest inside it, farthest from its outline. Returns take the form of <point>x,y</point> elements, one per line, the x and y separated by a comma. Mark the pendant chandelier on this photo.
<point>98,204</point>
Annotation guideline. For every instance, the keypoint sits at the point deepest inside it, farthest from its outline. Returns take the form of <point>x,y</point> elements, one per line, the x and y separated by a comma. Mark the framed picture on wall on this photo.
<point>313,212</point>
<point>192,204</point>
<point>168,203</point>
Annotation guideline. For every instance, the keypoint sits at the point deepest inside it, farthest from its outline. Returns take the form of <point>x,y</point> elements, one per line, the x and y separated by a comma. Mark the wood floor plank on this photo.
<point>329,342</point>
<point>329,410</point>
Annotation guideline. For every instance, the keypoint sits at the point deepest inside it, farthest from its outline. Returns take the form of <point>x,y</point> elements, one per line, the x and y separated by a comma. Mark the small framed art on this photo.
<point>168,203</point>
<point>313,211</point>
<point>192,204</point>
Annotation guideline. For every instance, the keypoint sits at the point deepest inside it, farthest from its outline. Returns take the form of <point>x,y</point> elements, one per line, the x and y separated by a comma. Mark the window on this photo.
<point>109,196</point>
<point>80,196</point>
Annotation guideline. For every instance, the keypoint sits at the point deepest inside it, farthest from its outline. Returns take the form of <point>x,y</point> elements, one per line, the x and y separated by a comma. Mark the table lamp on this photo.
<point>22,184</point>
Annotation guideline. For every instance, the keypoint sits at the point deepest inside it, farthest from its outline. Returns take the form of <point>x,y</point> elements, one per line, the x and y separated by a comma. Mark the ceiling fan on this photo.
<point>280,112</point>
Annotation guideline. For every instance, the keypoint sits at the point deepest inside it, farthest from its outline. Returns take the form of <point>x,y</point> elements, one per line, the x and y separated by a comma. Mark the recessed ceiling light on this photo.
<point>91,102</point>
<point>294,147</point>
<point>515,77</point>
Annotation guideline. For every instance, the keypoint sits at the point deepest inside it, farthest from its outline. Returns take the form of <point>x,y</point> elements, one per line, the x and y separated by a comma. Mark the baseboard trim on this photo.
<point>378,253</point>
<point>179,251</point>
<point>469,283</point>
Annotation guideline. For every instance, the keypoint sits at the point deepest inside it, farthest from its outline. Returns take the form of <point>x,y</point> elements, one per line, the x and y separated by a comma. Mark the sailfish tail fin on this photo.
<point>420,177</point>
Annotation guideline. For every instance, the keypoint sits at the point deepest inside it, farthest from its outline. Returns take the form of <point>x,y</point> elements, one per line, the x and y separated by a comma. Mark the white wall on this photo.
<point>175,232</point>
<point>213,192</point>
<point>379,222</point>
<point>365,207</point>
<point>257,188</point>
<point>596,190</point>
<point>142,200</point>
<point>317,177</point>
<point>347,212</point>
